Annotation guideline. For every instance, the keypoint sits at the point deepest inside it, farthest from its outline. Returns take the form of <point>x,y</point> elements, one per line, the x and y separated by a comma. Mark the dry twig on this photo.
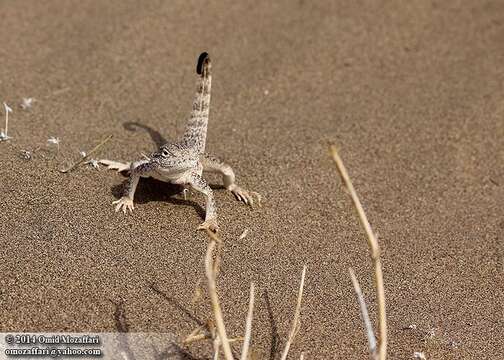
<point>248,325</point>
<point>244,234</point>
<point>4,133</point>
<point>419,355</point>
<point>365,315</point>
<point>375,254</point>
<point>212,289</point>
<point>86,156</point>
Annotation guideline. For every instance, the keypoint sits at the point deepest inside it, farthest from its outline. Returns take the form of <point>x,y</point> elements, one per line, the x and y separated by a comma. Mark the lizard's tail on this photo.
<point>196,130</point>
<point>204,65</point>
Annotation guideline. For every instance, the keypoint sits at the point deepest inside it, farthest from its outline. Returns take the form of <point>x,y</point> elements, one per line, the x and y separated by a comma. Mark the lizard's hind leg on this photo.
<point>213,164</point>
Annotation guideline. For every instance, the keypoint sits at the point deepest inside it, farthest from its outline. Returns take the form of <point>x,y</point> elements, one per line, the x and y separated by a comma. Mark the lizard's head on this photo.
<point>203,64</point>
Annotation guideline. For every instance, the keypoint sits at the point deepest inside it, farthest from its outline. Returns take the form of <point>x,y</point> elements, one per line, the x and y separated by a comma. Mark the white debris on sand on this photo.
<point>94,163</point>
<point>54,140</point>
<point>27,103</point>
<point>419,355</point>
<point>454,344</point>
<point>185,192</point>
<point>3,134</point>
<point>25,154</point>
<point>244,234</point>
<point>8,109</point>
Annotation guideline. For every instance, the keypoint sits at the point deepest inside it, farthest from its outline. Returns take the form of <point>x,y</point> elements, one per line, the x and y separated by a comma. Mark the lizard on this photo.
<point>183,162</point>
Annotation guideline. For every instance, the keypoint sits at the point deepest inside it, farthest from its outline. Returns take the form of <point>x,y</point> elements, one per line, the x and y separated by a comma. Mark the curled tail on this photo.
<point>196,129</point>
<point>203,64</point>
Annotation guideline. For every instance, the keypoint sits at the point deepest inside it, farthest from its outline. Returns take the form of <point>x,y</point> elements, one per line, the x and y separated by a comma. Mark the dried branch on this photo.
<point>244,234</point>
<point>198,337</point>
<point>7,111</point>
<point>212,289</point>
<point>375,254</point>
<point>248,325</point>
<point>365,315</point>
<point>216,346</point>
<point>296,321</point>
<point>4,133</point>
<point>84,158</point>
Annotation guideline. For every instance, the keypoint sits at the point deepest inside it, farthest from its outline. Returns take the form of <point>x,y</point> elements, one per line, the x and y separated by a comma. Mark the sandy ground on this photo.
<point>411,93</point>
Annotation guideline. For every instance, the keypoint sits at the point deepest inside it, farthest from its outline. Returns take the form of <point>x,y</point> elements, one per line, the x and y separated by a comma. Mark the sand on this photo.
<point>412,94</point>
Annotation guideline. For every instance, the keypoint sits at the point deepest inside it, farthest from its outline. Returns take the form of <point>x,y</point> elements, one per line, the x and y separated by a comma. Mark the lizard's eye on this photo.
<point>165,152</point>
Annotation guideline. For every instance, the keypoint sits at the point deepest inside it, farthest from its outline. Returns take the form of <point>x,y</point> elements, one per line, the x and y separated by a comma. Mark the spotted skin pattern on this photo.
<point>185,161</point>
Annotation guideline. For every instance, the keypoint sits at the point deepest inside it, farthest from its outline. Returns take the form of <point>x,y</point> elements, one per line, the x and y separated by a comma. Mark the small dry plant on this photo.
<point>217,329</point>
<point>219,335</point>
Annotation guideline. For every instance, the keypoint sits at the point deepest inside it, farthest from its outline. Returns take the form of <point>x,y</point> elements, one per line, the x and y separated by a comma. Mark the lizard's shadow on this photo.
<point>150,189</point>
<point>199,322</point>
<point>275,339</point>
<point>172,349</point>
<point>155,135</point>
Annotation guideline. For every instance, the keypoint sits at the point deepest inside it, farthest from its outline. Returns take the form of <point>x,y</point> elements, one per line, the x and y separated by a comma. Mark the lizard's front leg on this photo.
<point>213,164</point>
<point>138,169</point>
<point>115,165</point>
<point>199,184</point>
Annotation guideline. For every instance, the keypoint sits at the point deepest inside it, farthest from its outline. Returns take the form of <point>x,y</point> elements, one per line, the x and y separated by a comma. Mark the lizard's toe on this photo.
<point>237,196</point>
<point>124,204</point>
<point>245,196</point>
<point>115,165</point>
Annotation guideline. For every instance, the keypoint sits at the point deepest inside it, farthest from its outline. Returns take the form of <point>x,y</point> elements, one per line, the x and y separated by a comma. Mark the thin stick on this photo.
<point>364,313</point>
<point>216,264</point>
<point>5,135</point>
<point>195,335</point>
<point>84,158</point>
<point>212,289</point>
<point>195,338</point>
<point>248,325</point>
<point>200,337</point>
<point>295,322</point>
<point>58,92</point>
<point>375,254</point>
<point>216,346</point>
<point>6,118</point>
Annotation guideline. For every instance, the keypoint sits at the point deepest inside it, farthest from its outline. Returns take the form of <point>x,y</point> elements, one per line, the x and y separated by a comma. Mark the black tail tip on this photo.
<point>204,58</point>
